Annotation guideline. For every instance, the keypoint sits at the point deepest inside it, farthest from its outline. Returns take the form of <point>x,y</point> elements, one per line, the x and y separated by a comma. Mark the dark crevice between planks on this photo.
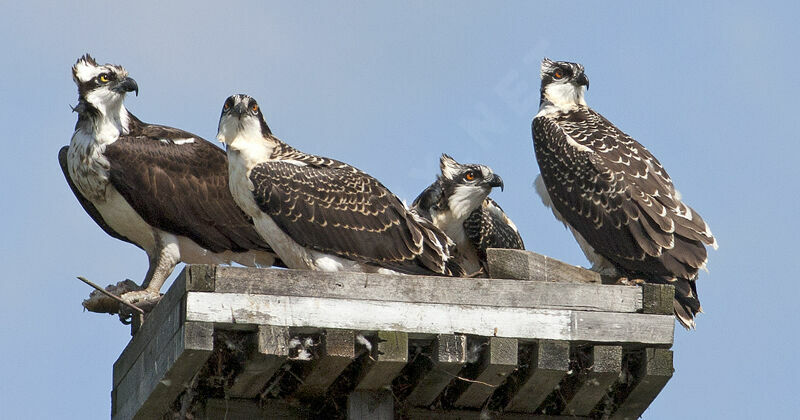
<point>225,362</point>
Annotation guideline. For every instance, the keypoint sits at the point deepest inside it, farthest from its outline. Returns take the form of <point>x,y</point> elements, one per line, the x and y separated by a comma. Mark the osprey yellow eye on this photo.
<point>103,78</point>
<point>254,108</point>
<point>558,74</point>
<point>469,176</point>
<point>227,106</point>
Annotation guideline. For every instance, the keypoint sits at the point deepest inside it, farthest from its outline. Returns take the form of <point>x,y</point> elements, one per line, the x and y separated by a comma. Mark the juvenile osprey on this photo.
<point>458,203</point>
<point>159,188</point>
<point>319,213</point>
<point>614,195</point>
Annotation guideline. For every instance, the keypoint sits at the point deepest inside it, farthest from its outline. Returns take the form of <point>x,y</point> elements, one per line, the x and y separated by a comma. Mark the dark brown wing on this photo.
<point>617,195</point>
<point>181,187</point>
<point>332,207</point>
<point>86,204</point>
<point>428,199</point>
<point>489,227</point>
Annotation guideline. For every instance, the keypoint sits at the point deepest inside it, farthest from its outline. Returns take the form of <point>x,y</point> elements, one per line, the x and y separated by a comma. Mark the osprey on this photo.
<point>614,195</point>
<point>458,203</point>
<point>323,214</point>
<point>159,188</point>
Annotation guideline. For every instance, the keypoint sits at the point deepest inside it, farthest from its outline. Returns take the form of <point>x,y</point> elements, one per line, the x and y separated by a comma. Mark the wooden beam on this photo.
<point>449,356</point>
<point>370,405</point>
<point>429,289</point>
<point>497,362</point>
<point>424,413</point>
<point>337,349</point>
<point>549,364</point>
<point>527,265</point>
<point>269,353</point>
<point>200,277</point>
<point>386,361</point>
<point>654,372</point>
<point>162,373</point>
<point>424,318</point>
<point>657,298</point>
<point>236,408</point>
<point>604,370</point>
<point>166,317</point>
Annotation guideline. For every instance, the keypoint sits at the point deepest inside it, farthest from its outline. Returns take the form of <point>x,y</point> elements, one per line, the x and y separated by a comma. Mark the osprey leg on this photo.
<point>162,262</point>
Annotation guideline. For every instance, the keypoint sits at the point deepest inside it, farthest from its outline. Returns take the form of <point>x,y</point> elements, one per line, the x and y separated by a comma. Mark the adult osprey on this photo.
<point>319,213</point>
<point>159,188</point>
<point>614,195</point>
<point>458,203</point>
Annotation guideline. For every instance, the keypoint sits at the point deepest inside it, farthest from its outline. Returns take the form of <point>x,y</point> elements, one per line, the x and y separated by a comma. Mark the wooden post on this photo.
<point>653,373</point>
<point>370,405</point>
<point>449,356</point>
<point>499,359</point>
<point>548,365</point>
<point>657,298</point>
<point>269,353</point>
<point>527,265</point>
<point>337,349</point>
<point>386,362</point>
<point>605,368</point>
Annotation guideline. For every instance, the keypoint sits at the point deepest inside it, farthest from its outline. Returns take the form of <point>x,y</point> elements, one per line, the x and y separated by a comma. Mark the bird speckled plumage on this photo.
<point>161,188</point>
<point>329,214</point>
<point>461,208</point>
<point>614,194</point>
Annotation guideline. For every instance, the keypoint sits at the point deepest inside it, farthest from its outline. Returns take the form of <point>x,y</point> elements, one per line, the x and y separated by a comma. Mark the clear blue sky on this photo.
<point>709,88</point>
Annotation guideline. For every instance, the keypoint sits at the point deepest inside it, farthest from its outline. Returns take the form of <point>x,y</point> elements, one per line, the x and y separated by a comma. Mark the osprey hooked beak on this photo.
<point>127,85</point>
<point>583,80</point>
<point>495,181</point>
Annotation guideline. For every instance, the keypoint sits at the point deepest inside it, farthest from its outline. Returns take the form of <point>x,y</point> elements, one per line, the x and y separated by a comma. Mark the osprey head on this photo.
<point>466,185</point>
<point>241,117</point>
<point>101,87</point>
<point>563,83</point>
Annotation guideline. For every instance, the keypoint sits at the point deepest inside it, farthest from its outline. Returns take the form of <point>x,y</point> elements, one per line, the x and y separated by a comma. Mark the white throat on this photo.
<point>562,97</point>
<point>243,138</point>
<point>465,199</point>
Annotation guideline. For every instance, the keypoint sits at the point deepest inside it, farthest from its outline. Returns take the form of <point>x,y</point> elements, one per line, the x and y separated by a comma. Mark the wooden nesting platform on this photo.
<point>541,339</point>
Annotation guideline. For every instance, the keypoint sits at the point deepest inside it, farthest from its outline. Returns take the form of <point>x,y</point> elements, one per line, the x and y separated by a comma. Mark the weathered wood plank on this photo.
<point>498,361</point>
<point>386,362</point>
<point>429,289</point>
<point>370,405</point>
<point>167,315</point>
<point>587,326</point>
<point>606,366</point>
<point>657,298</point>
<point>424,413</point>
<point>366,315</point>
<point>233,409</point>
<point>527,265</point>
<point>449,356</point>
<point>157,377</point>
<point>549,364</point>
<point>337,349</point>
<point>200,277</point>
<point>269,354</point>
<point>653,374</point>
